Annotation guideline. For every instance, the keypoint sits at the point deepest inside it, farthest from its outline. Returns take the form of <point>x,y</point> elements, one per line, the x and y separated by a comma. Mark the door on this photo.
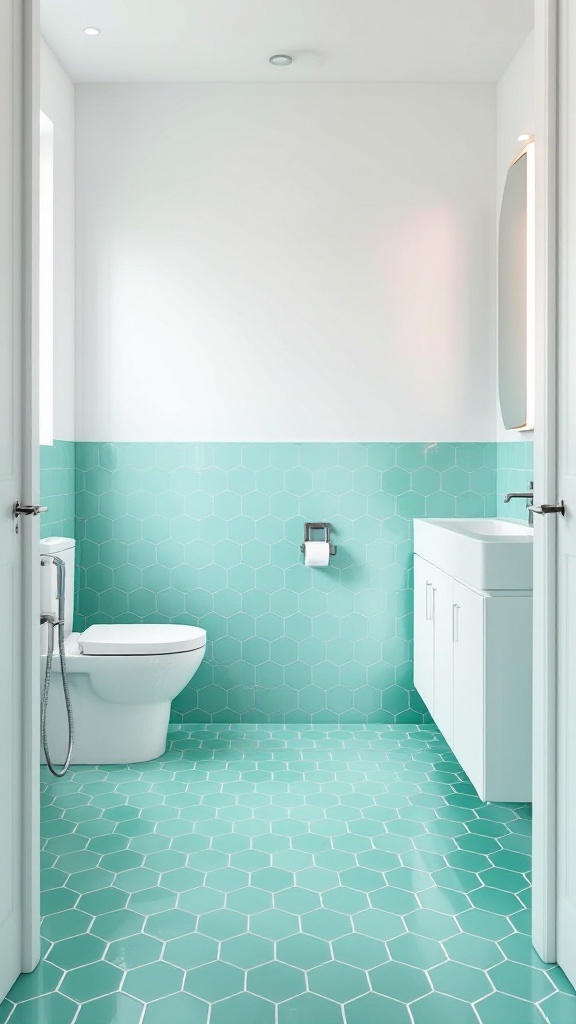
<point>566,527</point>
<point>18,737</point>
<point>424,631</point>
<point>468,651</point>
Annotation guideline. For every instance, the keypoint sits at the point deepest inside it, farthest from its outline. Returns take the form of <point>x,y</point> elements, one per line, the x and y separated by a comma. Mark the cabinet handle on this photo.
<point>428,616</point>
<point>455,624</point>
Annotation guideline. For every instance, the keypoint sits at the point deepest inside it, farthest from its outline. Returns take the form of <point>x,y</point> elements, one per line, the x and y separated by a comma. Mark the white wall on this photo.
<point>286,262</point>
<point>57,102</point>
<point>515,107</point>
<point>515,111</point>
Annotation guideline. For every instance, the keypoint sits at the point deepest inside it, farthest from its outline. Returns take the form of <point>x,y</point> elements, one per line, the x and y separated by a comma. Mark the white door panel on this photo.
<point>18,762</point>
<point>10,548</point>
<point>566,604</point>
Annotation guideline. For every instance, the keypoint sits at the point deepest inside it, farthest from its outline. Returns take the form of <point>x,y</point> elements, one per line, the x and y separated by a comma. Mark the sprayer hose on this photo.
<point>46,694</point>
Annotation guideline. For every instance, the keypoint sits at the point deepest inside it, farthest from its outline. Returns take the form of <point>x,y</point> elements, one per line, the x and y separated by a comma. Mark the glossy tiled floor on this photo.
<point>289,875</point>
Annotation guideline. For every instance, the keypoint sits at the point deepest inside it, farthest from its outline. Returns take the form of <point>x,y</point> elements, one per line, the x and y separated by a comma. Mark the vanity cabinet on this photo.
<point>473,670</point>
<point>433,672</point>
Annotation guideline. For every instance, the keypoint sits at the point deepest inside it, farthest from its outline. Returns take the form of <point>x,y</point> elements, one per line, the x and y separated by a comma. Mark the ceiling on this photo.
<point>330,40</point>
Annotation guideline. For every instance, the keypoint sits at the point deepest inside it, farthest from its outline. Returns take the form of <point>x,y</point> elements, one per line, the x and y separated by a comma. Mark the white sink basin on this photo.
<point>487,554</point>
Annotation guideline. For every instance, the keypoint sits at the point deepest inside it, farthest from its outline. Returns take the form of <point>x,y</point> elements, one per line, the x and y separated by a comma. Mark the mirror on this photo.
<point>515,295</point>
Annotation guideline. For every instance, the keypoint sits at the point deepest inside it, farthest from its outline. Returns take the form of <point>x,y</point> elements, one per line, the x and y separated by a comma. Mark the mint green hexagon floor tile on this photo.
<point>77,951</point>
<point>305,951</point>
<point>375,1009</point>
<point>170,924</point>
<point>445,901</point>
<point>461,981</point>
<point>103,901</point>
<point>431,924</point>
<point>558,1008</point>
<point>495,901</point>
<point>399,981</point>
<point>276,981</point>
<point>243,1009</point>
<point>134,951</point>
<point>214,981</point>
<point>395,901</point>
<point>474,951</point>
<point>520,980</point>
<point>65,924</point>
<point>484,924</point>
<point>153,981</point>
<point>251,901</point>
<point>436,1008</point>
<point>48,1009</point>
<point>519,948</point>
<point>180,1008</point>
<point>84,983</point>
<point>379,924</point>
<point>346,901</point>
<point>44,979</point>
<point>338,981</point>
<point>117,1008</point>
<point>325,924</point>
<point>309,1007</point>
<point>151,901</point>
<point>360,951</point>
<point>497,1008</point>
<point>287,810</point>
<point>222,924</point>
<point>190,951</point>
<point>117,925</point>
<point>274,924</point>
<point>247,951</point>
<point>90,880</point>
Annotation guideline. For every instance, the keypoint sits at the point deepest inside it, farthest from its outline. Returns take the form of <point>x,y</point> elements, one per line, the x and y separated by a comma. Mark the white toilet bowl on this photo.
<point>120,701</point>
<point>122,679</point>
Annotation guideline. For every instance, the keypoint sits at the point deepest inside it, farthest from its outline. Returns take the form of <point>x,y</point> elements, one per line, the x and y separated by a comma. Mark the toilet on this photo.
<point>122,677</point>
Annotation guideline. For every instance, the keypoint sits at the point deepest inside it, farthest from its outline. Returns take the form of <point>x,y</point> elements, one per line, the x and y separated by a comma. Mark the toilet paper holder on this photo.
<point>310,528</point>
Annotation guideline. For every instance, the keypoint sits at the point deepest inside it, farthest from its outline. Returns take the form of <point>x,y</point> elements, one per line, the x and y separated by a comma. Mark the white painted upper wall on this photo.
<point>515,111</point>
<point>57,102</point>
<point>287,262</point>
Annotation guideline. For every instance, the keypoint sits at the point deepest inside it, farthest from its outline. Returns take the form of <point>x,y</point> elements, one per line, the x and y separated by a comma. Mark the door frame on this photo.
<point>26,44</point>
<point>27,114</point>
<point>545,476</point>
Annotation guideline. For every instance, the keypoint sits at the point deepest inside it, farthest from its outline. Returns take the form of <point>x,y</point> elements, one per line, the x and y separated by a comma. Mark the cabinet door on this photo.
<point>424,631</point>
<point>468,649</point>
<point>442,602</point>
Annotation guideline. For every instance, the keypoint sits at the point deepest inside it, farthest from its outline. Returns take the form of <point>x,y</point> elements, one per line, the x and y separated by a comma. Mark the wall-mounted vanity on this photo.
<point>473,646</point>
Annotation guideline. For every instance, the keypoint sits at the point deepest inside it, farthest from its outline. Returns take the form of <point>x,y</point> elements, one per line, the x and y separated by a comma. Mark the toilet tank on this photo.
<point>63,547</point>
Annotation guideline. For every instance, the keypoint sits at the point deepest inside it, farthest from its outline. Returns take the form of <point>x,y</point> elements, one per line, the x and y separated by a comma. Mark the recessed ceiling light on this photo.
<point>524,137</point>
<point>280,60</point>
<point>91,30</point>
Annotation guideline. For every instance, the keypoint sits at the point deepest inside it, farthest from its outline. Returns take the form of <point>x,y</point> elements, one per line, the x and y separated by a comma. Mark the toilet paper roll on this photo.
<point>316,552</point>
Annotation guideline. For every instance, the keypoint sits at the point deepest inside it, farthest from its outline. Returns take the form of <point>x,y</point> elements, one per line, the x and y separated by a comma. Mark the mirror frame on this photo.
<point>527,370</point>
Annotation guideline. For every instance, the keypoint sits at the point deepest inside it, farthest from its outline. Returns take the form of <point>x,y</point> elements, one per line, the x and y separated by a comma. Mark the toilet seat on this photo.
<point>141,638</point>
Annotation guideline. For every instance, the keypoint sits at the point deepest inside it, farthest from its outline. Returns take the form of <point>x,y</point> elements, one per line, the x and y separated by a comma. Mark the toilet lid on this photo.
<point>141,638</point>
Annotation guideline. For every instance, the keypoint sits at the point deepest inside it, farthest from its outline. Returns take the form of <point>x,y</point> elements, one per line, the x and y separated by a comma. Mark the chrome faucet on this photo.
<point>529,495</point>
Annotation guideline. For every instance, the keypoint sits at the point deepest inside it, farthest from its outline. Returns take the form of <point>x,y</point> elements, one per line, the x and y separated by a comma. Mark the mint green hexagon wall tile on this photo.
<point>57,488</point>
<point>209,535</point>
<point>515,471</point>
